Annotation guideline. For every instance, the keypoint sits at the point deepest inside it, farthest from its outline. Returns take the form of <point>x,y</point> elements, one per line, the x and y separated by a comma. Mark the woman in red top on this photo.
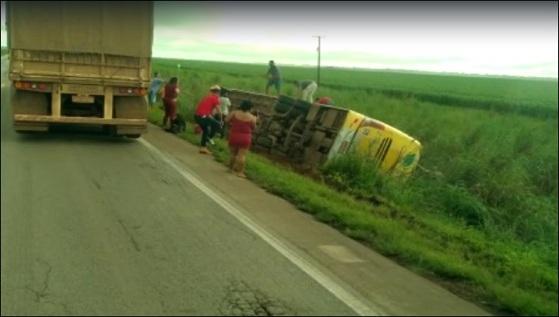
<point>170,95</point>
<point>241,123</point>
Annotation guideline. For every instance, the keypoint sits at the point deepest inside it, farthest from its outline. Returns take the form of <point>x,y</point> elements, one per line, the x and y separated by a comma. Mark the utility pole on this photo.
<point>318,67</point>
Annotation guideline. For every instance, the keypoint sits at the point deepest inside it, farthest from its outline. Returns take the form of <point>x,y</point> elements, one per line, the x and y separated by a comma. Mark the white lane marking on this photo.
<point>342,294</point>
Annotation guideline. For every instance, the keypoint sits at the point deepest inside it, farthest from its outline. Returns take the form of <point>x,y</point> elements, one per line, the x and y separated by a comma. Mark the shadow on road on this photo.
<point>74,134</point>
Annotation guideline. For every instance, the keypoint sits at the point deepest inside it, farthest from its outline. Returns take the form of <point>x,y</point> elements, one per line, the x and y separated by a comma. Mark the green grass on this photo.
<point>484,217</point>
<point>507,163</point>
<point>531,97</point>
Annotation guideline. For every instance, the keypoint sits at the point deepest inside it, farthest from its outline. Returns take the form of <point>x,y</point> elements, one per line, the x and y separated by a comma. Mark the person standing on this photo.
<point>204,117</point>
<point>241,123</point>
<point>306,89</point>
<point>274,77</point>
<point>154,88</point>
<point>224,105</point>
<point>170,96</point>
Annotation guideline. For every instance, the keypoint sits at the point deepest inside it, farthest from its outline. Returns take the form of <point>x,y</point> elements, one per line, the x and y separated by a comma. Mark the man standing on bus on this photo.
<point>274,77</point>
<point>306,89</point>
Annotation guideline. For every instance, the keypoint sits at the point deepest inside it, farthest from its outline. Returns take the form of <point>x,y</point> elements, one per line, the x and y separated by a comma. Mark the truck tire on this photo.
<point>303,105</point>
<point>282,107</point>
<point>287,100</point>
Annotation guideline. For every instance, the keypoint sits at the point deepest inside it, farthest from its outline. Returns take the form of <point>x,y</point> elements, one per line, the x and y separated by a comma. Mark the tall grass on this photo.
<point>531,97</point>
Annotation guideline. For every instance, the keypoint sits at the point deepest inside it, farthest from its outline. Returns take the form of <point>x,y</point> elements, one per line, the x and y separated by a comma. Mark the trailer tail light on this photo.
<point>32,86</point>
<point>125,90</point>
<point>132,91</point>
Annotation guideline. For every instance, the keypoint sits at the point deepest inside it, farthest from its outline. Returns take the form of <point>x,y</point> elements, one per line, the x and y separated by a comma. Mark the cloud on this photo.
<point>514,38</point>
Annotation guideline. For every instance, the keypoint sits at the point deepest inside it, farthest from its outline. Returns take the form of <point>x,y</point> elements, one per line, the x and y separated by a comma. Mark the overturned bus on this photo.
<point>308,135</point>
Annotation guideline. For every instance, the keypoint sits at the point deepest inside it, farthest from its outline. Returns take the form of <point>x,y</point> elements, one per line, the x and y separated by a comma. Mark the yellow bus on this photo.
<point>311,134</point>
<point>394,151</point>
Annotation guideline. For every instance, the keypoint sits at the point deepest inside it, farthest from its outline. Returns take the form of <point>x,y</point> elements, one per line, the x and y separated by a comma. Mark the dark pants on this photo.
<point>220,118</point>
<point>209,126</point>
<point>274,82</point>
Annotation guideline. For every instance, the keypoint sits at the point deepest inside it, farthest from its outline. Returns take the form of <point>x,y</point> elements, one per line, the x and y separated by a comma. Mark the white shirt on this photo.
<point>224,104</point>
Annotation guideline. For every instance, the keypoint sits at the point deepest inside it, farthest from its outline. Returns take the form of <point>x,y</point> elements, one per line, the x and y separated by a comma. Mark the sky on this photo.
<point>488,38</point>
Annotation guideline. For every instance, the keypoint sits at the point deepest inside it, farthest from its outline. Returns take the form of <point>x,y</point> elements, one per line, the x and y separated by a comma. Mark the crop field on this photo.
<point>531,97</point>
<point>480,212</point>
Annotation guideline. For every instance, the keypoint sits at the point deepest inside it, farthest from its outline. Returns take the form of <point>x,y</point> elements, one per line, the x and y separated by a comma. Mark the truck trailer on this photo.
<point>80,63</point>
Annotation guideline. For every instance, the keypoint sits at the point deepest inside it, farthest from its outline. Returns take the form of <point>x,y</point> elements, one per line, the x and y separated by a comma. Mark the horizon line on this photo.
<point>400,70</point>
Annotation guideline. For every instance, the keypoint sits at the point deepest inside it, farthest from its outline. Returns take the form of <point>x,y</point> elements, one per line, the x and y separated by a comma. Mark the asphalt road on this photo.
<point>101,226</point>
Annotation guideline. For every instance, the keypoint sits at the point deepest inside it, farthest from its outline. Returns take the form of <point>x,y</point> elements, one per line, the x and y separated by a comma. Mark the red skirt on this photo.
<point>240,140</point>
<point>170,109</point>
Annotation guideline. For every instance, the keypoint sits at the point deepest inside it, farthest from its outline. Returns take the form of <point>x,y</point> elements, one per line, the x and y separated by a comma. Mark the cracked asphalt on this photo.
<point>92,225</point>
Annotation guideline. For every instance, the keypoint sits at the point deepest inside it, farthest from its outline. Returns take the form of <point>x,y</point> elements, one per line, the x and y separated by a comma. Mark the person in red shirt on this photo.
<point>204,117</point>
<point>170,94</point>
<point>241,124</point>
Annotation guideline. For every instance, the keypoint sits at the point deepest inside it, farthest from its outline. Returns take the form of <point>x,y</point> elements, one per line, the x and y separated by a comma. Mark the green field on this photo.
<point>480,213</point>
<point>532,97</point>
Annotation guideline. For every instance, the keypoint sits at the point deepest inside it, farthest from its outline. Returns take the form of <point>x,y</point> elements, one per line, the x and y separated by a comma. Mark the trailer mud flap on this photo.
<point>133,107</point>
<point>29,102</point>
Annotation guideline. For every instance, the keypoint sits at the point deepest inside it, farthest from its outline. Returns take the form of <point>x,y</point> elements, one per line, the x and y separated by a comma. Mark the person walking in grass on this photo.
<point>274,77</point>
<point>241,123</point>
<point>204,117</point>
<point>306,89</point>
<point>154,88</point>
<point>170,95</point>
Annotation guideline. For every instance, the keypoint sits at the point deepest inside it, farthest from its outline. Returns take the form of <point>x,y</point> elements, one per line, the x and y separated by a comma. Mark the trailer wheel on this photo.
<point>133,136</point>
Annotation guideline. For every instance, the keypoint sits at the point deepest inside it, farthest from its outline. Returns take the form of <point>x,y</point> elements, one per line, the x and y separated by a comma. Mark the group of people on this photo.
<point>213,117</point>
<point>305,88</point>
<point>212,113</point>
